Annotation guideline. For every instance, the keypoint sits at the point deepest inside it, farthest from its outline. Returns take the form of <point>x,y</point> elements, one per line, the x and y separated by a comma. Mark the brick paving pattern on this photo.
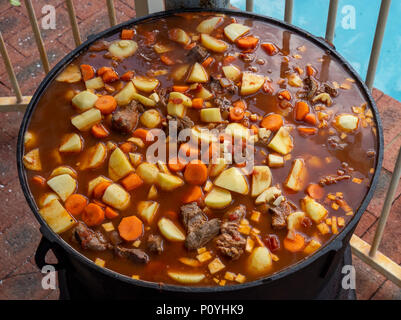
<point>19,234</point>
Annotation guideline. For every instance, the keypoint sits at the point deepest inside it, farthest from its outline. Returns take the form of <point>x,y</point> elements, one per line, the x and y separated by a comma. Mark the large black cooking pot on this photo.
<point>302,280</point>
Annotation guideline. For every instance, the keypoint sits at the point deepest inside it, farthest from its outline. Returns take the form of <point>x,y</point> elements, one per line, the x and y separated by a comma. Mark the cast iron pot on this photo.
<point>302,280</point>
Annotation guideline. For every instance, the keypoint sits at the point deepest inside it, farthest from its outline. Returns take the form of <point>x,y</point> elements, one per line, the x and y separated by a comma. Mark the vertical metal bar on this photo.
<point>331,21</point>
<point>377,43</point>
<point>10,70</point>
<point>289,4</point>
<point>141,8</point>
<point>38,36</point>
<point>249,5</point>
<point>112,12</point>
<point>387,206</point>
<point>73,22</point>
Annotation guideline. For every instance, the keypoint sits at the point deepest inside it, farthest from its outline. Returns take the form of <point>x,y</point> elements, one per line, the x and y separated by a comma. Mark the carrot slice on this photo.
<point>315,191</point>
<point>130,228</point>
<point>285,95</point>
<point>106,104</point>
<point>175,164</point>
<point>180,88</point>
<point>272,122</point>
<point>99,131</point>
<point>228,59</point>
<point>248,42</point>
<point>236,114</point>
<point>127,34</point>
<point>100,188</point>
<point>93,215</point>
<point>310,71</point>
<point>301,110</point>
<point>171,215</point>
<point>188,151</point>
<point>296,244</point>
<point>75,204</point>
<point>110,76</point>
<point>311,119</point>
<point>131,182</point>
<point>194,194</point>
<point>166,60</point>
<point>197,103</point>
<point>240,104</point>
<point>142,134</point>
<point>103,70</point>
<point>99,203</point>
<point>110,213</point>
<point>269,48</point>
<point>127,76</point>
<point>207,62</point>
<point>39,180</point>
<point>195,172</point>
<point>306,131</point>
<point>87,71</point>
<point>126,147</point>
<point>190,46</point>
<point>254,129</point>
<point>150,37</point>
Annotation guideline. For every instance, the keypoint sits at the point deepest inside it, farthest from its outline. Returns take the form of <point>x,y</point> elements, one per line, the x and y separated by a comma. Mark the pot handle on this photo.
<point>40,255</point>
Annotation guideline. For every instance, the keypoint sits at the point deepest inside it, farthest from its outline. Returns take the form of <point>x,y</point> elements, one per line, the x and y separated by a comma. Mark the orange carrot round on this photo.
<point>272,122</point>
<point>103,70</point>
<point>93,215</point>
<point>131,182</point>
<point>175,164</point>
<point>127,76</point>
<point>197,103</point>
<point>130,228</point>
<point>301,110</point>
<point>236,114</point>
<point>270,48</point>
<point>249,42</point>
<point>127,34</point>
<point>315,191</point>
<point>195,172</point>
<point>194,194</point>
<point>87,71</point>
<point>311,119</point>
<point>39,180</point>
<point>99,131</point>
<point>75,204</point>
<point>110,213</point>
<point>100,189</point>
<point>106,104</point>
<point>296,244</point>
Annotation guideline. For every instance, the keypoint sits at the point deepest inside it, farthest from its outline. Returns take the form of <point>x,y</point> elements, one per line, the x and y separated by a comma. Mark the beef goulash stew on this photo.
<point>235,85</point>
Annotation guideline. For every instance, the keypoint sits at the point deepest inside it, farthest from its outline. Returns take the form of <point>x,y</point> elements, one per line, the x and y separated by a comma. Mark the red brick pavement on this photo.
<point>19,235</point>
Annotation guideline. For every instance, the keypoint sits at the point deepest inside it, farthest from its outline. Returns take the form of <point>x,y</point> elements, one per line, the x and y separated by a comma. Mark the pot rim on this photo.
<point>333,245</point>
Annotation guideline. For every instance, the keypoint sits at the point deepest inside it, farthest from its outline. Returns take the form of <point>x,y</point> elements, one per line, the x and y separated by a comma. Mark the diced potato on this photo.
<point>237,130</point>
<point>135,158</point>
<point>108,227</point>
<point>210,115</point>
<point>179,73</point>
<point>235,30</point>
<point>84,100</point>
<point>297,176</point>
<point>268,195</point>
<point>294,220</point>
<point>155,97</point>
<point>162,48</point>
<point>116,197</point>
<point>218,198</point>
<point>119,165</point>
<point>64,185</point>
<point>204,256</point>
<point>150,118</point>
<point>294,80</point>
<point>168,182</point>
<point>148,172</point>
<point>282,142</point>
<point>261,179</point>
<point>94,182</point>
<point>87,120</point>
<point>208,25</point>
<point>215,266</point>
<point>32,160</point>
<point>313,209</point>
<point>152,194</point>
<point>93,157</point>
<point>232,179</point>
<point>137,141</point>
<point>275,160</point>
<point>94,83</point>
<point>232,73</point>
<point>217,167</point>
<point>70,74</point>
<point>58,219</point>
<point>46,198</point>
<point>250,244</point>
<point>71,143</point>
<point>144,100</point>
<point>148,210</point>
<point>260,261</point>
<point>170,231</point>
<point>204,93</point>
<point>179,35</point>
<point>186,278</point>
<point>202,135</point>
<point>251,82</point>
<point>346,122</point>
<point>213,44</point>
<point>126,94</point>
<point>123,48</point>
<point>312,246</point>
<point>177,110</point>
<point>198,74</point>
<point>145,84</point>
<point>208,186</point>
<point>63,170</point>
<point>186,101</point>
<point>30,139</point>
<point>163,167</point>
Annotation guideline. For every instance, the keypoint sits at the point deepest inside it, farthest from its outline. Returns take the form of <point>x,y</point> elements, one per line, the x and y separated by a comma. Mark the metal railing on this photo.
<point>368,253</point>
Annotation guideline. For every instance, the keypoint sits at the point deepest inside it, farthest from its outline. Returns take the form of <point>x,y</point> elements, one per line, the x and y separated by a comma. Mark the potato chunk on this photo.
<point>198,74</point>
<point>170,231</point>
<point>71,143</point>
<point>70,74</point>
<point>237,130</point>
<point>282,142</point>
<point>58,219</point>
<point>296,178</point>
<point>144,100</point>
<point>169,182</point>
<point>147,172</point>
<point>46,198</point>
<point>260,261</point>
<point>217,167</point>
<point>186,278</point>
<point>94,83</point>
<point>116,196</point>
<point>94,182</point>
<point>63,170</point>
<point>151,118</point>
<point>235,30</point>
<point>261,179</point>
<point>213,44</point>
<point>268,195</point>
<point>119,165</point>
<point>232,73</point>
<point>218,198</point>
<point>313,209</point>
<point>93,157</point>
<point>126,95</point>
<point>84,100</point>
<point>145,84</point>
<point>179,35</point>
<point>294,220</point>
<point>123,48</point>
<point>148,210</point>
<point>251,82</point>
<point>232,179</point>
<point>210,115</point>
<point>87,120</point>
<point>346,122</point>
<point>208,25</point>
<point>32,160</point>
<point>64,185</point>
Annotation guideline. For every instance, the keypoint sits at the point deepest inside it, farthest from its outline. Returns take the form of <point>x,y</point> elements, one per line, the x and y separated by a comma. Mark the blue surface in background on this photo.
<point>354,44</point>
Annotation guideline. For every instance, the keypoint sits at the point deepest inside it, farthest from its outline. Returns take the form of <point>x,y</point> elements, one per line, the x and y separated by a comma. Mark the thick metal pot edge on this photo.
<point>333,245</point>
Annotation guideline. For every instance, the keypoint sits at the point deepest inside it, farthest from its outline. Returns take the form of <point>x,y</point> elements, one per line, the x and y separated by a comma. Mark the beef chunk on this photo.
<point>336,143</point>
<point>247,57</point>
<point>135,255</point>
<point>99,46</point>
<point>89,239</point>
<point>279,215</point>
<point>178,123</point>
<point>330,90</point>
<point>199,230</point>
<point>125,119</point>
<point>163,93</point>
<point>328,180</point>
<point>311,87</point>
<point>197,54</point>
<point>223,103</point>
<point>115,238</point>
<point>230,242</point>
<point>155,244</point>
